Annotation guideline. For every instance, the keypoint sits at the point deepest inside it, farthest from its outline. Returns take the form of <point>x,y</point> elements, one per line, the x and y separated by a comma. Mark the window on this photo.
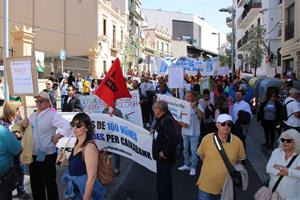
<point>288,65</point>
<point>114,37</point>
<point>278,57</point>
<point>162,47</point>
<point>157,46</point>
<point>167,47</point>
<point>104,66</point>
<point>104,26</point>
<point>122,35</point>
<point>289,21</point>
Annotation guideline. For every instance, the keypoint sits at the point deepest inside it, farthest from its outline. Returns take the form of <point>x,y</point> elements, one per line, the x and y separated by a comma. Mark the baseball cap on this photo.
<point>43,95</point>
<point>223,118</point>
<point>294,91</point>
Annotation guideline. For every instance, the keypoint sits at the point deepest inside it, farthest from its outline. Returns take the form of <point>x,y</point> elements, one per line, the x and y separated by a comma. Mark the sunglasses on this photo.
<point>229,124</point>
<point>77,125</point>
<point>68,90</point>
<point>286,140</point>
<point>39,101</point>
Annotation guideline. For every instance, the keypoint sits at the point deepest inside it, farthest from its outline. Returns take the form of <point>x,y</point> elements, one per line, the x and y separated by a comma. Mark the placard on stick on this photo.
<point>22,76</point>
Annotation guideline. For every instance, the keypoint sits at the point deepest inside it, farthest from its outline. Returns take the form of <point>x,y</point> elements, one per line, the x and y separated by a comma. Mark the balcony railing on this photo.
<point>252,4</point>
<point>243,40</point>
<point>289,31</point>
<point>250,12</point>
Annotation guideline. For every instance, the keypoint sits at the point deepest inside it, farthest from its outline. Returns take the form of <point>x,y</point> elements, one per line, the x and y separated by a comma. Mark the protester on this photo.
<point>86,87</point>
<point>11,115</point>
<point>164,147</point>
<point>116,158</point>
<point>191,134</point>
<point>45,122</point>
<point>94,84</point>
<point>71,103</point>
<point>240,104</point>
<point>1,92</point>
<point>289,146</point>
<point>147,93</point>
<point>208,121</point>
<point>269,116</point>
<point>71,79</point>
<point>63,90</point>
<point>213,170</point>
<point>9,147</point>
<point>293,110</point>
<point>51,92</point>
<point>83,162</point>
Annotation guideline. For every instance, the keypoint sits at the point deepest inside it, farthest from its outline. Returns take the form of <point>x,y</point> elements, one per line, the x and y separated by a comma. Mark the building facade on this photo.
<point>81,28</point>
<point>290,37</point>
<point>258,12</point>
<point>190,28</point>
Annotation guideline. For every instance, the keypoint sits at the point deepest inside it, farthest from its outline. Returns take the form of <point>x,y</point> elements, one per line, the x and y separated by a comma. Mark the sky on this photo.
<point>209,9</point>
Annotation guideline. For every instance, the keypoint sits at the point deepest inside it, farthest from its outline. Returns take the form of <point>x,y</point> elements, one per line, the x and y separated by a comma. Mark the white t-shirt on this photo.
<point>194,128</point>
<point>292,107</point>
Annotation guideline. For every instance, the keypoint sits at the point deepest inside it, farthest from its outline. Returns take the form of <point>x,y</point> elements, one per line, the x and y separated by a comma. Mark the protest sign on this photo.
<point>175,77</point>
<point>160,66</point>
<point>22,76</point>
<point>130,107</point>
<point>180,109</point>
<point>121,137</point>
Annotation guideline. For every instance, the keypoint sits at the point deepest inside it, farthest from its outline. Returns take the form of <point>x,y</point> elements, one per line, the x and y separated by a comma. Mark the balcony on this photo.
<point>136,11</point>
<point>243,41</point>
<point>289,32</point>
<point>229,22</point>
<point>251,10</point>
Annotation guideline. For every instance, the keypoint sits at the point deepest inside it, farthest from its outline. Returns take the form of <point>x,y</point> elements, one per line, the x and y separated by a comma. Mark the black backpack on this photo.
<point>284,113</point>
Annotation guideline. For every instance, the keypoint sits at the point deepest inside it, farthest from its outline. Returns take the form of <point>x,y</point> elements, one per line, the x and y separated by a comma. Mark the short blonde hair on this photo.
<point>293,134</point>
<point>10,109</point>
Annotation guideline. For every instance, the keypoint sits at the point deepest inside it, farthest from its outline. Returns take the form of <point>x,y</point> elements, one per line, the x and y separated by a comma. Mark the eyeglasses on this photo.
<point>229,124</point>
<point>68,90</point>
<point>77,125</point>
<point>286,140</point>
<point>39,101</point>
<point>48,83</point>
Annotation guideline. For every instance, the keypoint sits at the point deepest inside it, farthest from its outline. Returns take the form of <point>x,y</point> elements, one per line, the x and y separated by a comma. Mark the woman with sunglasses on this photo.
<point>83,162</point>
<point>289,146</point>
<point>269,116</point>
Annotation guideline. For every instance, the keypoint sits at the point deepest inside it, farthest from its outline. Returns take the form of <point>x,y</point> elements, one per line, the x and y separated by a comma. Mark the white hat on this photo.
<point>223,118</point>
<point>43,95</point>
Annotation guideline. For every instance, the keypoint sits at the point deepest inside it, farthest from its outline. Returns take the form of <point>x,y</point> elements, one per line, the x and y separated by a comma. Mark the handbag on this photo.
<point>266,193</point>
<point>105,168</point>
<point>10,179</point>
<point>235,175</point>
<point>62,159</point>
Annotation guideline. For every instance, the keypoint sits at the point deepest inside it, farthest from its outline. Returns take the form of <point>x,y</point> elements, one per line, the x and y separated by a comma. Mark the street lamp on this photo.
<point>231,11</point>
<point>219,45</point>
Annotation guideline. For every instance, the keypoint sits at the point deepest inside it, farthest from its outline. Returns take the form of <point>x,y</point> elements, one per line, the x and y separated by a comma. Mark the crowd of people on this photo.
<point>221,112</point>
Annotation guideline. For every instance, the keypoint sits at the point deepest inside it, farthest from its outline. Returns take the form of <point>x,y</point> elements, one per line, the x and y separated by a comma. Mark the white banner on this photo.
<point>130,108</point>
<point>121,137</point>
<point>175,77</point>
<point>180,109</point>
<point>191,66</point>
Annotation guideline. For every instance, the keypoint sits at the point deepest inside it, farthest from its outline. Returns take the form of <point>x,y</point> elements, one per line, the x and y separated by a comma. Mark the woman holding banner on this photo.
<point>83,162</point>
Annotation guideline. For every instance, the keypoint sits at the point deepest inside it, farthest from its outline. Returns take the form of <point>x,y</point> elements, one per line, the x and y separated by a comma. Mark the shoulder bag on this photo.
<point>235,175</point>
<point>265,193</point>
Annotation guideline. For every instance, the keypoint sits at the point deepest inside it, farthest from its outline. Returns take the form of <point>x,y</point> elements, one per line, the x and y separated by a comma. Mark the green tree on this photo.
<point>225,57</point>
<point>255,47</point>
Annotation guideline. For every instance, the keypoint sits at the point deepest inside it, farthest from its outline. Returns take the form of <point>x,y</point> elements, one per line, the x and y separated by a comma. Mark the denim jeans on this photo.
<point>21,169</point>
<point>190,143</point>
<point>207,196</point>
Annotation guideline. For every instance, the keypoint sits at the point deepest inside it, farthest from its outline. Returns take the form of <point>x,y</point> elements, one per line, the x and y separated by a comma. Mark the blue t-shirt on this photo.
<point>9,146</point>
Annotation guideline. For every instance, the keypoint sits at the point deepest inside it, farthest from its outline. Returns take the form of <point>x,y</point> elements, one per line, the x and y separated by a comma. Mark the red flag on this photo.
<point>113,86</point>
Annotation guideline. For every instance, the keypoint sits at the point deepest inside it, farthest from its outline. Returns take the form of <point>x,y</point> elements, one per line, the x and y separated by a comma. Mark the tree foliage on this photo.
<point>255,47</point>
<point>225,57</point>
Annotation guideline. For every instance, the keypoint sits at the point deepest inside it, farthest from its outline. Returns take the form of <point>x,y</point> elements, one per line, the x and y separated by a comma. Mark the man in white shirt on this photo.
<point>45,122</point>
<point>191,134</point>
<point>240,104</point>
<point>293,110</point>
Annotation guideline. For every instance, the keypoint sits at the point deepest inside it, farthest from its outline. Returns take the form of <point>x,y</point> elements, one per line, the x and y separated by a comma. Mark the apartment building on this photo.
<point>258,12</point>
<point>76,26</point>
<point>290,36</point>
<point>201,36</point>
<point>156,42</point>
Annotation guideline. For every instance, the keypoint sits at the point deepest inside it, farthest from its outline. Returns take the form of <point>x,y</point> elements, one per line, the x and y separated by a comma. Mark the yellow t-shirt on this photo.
<point>213,170</point>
